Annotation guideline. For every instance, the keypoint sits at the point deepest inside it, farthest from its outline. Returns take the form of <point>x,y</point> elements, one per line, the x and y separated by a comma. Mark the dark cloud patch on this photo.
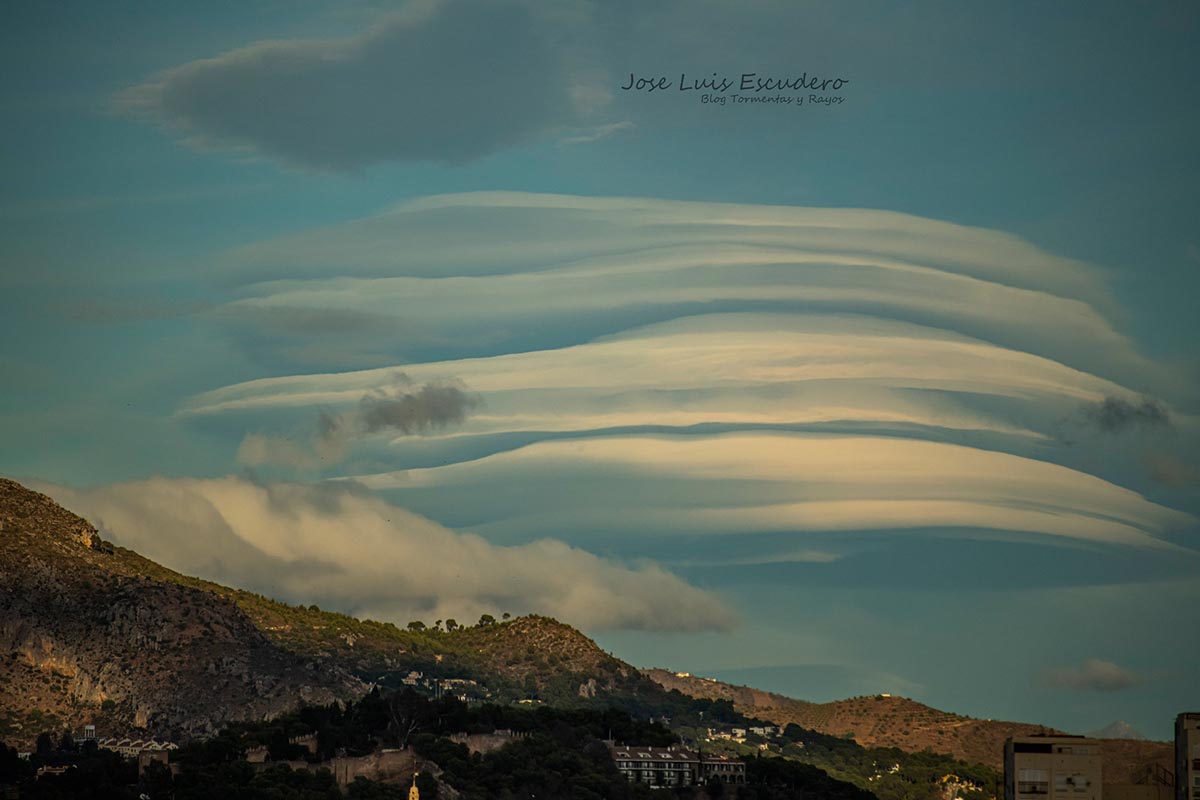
<point>405,407</point>
<point>442,81</point>
<point>327,424</point>
<point>1117,414</point>
<point>430,407</point>
<point>1093,675</point>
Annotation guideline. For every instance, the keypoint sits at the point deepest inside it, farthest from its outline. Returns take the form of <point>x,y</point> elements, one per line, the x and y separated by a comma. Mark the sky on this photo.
<point>850,349</point>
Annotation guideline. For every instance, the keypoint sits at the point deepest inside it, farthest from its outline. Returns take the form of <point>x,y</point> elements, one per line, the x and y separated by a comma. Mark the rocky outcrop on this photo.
<point>85,632</point>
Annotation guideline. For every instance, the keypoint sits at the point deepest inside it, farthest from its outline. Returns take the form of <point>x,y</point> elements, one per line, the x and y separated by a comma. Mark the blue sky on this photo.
<point>412,311</point>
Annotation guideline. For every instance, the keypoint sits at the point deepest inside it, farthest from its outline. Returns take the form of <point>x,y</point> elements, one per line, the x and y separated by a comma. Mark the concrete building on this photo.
<point>1187,756</point>
<point>674,766</point>
<point>1052,768</point>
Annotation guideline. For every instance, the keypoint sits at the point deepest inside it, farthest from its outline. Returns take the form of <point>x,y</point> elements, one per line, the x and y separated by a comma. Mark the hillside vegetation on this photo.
<point>889,721</point>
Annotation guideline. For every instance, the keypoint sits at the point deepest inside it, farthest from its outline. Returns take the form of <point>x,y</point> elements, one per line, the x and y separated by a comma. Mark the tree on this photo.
<point>505,615</point>
<point>416,625</point>
<point>714,788</point>
<point>486,619</point>
<point>45,744</point>
<point>451,625</point>
<point>407,712</point>
<point>157,781</point>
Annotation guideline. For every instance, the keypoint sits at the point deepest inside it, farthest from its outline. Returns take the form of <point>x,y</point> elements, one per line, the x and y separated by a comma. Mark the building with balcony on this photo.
<point>1052,768</point>
<point>664,767</point>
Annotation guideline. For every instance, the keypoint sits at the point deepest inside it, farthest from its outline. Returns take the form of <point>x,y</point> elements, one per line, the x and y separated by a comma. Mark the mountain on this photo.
<point>1118,729</point>
<point>889,721</point>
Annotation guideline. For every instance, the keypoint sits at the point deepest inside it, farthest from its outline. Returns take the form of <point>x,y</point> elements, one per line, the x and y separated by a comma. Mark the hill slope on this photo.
<point>94,632</point>
<point>89,630</point>
<point>887,721</point>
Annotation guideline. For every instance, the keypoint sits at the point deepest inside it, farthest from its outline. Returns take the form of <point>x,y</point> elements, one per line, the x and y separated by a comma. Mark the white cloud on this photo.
<point>477,267</point>
<point>716,317</point>
<point>748,482</point>
<point>349,550</point>
<point>724,368</point>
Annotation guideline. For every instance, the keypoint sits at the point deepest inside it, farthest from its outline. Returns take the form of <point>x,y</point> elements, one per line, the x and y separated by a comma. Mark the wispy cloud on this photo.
<point>597,133</point>
<point>1093,675</point>
<point>345,549</point>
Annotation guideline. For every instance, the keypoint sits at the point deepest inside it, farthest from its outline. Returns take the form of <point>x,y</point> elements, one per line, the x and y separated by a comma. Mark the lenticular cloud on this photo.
<point>655,367</point>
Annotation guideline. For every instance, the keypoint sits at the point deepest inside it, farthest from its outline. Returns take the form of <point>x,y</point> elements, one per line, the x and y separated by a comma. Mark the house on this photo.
<point>130,748</point>
<point>765,730</point>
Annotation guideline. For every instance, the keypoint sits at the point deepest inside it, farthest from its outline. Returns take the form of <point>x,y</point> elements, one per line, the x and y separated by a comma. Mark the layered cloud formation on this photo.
<point>613,321</point>
<point>554,373</point>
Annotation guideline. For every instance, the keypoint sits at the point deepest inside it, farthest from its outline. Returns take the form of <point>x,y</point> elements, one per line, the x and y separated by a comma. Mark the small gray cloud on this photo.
<point>1117,414</point>
<point>430,407</point>
<point>1093,675</point>
<point>444,80</point>
<point>405,408</point>
<point>1170,471</point>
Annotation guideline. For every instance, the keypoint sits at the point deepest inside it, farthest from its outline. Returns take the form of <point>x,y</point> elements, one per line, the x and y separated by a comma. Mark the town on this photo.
<point>441,743</point>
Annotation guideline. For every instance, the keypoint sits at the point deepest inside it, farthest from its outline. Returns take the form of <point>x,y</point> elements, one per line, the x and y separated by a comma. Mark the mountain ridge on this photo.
<point>885,720</point>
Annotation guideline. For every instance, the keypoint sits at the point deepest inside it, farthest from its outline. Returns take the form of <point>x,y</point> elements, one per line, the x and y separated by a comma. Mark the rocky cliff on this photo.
<point>87,633</point>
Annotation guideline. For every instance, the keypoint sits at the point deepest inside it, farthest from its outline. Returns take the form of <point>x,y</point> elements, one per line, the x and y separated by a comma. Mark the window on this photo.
<point>1033,782</point>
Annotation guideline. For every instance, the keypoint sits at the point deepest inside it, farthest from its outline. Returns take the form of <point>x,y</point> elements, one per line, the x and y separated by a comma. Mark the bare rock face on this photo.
<point>89,631</point>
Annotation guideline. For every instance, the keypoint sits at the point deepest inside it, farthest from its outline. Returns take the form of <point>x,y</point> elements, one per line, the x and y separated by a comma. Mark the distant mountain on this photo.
<point>1118,729</point>
<point>889,721</point>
